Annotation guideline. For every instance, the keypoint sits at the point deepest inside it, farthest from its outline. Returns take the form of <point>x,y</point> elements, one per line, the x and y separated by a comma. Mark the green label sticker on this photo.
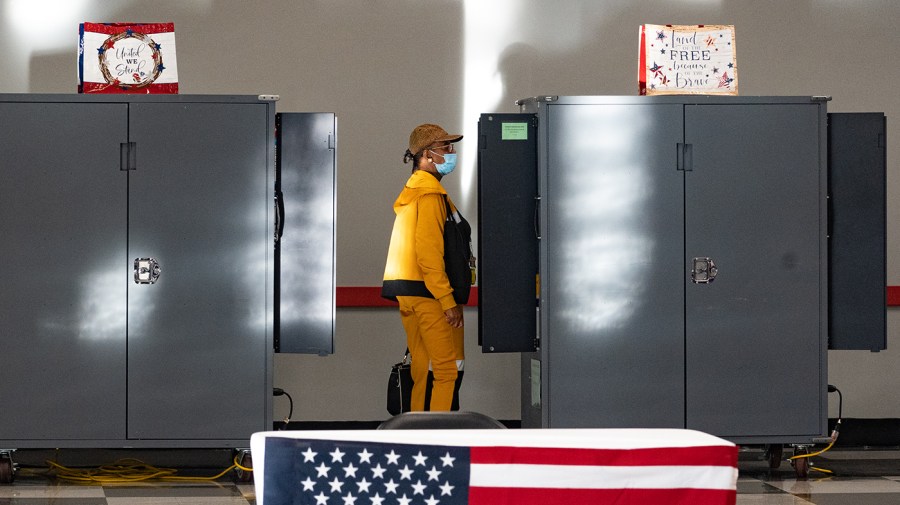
<point>514,131</point>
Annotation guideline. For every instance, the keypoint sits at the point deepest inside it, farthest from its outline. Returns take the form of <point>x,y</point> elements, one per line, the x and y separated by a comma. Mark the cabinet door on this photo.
<point>753,204</point>
<point>507,232</point>
<point>857,315</point>
<point>612,289</point>
<point>197,341</point>
<point>62,244</point>
<point>305,282</point>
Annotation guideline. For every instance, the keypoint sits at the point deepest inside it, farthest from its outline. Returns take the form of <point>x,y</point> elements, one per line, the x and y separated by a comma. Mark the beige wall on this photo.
<point>386,65</point>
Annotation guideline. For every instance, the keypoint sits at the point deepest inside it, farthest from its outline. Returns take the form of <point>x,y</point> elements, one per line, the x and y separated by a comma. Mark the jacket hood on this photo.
<point>419,183</point>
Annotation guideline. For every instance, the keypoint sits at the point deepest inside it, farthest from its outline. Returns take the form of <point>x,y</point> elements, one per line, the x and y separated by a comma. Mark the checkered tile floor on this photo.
<point>38,491</point>
<point>860,477</point>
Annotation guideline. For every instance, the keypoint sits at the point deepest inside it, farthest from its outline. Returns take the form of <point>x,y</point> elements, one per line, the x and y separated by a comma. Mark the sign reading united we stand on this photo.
<point>127,58</point>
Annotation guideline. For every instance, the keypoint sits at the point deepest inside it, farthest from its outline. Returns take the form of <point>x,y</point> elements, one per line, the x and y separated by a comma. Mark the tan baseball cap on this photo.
<point>426,134</point>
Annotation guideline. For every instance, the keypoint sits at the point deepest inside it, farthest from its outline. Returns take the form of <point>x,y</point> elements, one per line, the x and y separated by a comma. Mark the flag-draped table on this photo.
<point>444,467</point>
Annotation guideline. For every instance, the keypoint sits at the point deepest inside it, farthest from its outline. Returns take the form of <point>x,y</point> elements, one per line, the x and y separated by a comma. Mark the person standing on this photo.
<point>415,275</point>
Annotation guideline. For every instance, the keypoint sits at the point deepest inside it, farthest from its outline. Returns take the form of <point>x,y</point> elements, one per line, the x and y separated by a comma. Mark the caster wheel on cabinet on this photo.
<point>801,465</point>
<point>7,471</point>
<point>774,453</point>
<point>244,459</point>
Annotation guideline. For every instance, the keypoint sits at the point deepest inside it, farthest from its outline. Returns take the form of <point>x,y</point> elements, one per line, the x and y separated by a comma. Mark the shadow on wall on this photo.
<point>517,67</point>
<point>54,72</point>
<point>598,57</point>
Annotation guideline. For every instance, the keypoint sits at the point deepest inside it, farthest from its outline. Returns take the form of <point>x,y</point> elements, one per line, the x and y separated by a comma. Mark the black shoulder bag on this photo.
<point>459,263</point>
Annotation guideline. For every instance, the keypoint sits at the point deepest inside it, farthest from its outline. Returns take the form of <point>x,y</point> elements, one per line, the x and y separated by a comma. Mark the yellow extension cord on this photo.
<point>131,470</point>
<point>811,454</point>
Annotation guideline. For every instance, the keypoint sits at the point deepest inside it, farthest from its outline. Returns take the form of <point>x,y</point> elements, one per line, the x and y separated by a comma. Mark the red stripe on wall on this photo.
<point>366,296</point>
<point>893,296</point>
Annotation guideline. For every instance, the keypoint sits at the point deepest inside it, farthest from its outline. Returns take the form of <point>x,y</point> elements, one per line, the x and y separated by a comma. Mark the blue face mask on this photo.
<point>448,165</point>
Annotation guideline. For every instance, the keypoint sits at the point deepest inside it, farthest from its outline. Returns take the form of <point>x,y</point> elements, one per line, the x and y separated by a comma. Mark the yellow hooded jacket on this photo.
<point>415,261</point>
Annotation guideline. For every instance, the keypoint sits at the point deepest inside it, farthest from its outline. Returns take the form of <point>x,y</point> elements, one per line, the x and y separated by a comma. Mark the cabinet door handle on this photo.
<point>684,157</point>
<point>146,271</point>
<point>279,215</point>
<point>703,271</point>
<point>128,156</point>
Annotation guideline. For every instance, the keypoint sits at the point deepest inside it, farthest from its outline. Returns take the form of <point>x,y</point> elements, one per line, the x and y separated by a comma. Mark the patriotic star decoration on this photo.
<point>660,35</point>
<point>725,81</point>
<point>353,474</point>
<point>658,72</point>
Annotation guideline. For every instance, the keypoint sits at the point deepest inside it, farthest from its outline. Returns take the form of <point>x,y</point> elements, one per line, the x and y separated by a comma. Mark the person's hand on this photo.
<point>454,316</point>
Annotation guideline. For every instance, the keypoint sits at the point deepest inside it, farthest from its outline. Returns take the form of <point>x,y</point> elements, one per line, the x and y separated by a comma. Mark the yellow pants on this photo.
<point>431,340</point>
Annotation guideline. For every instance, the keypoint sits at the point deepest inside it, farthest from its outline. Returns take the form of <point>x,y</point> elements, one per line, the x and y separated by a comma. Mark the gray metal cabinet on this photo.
<point>643,202</point>
<point>93,358</point>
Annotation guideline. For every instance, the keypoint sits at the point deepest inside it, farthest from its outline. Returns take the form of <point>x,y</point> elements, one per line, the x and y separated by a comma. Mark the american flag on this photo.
<point>349,472</point>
